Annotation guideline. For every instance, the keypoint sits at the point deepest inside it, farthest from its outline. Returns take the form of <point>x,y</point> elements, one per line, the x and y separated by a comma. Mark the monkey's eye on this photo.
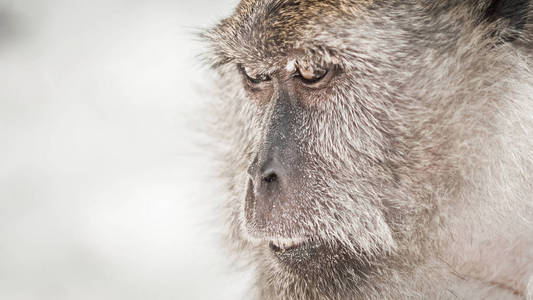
<point>311,76</point>
<point>254,79</point>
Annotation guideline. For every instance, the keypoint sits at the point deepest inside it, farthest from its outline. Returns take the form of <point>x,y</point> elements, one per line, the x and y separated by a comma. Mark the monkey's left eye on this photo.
<point>254,79</point>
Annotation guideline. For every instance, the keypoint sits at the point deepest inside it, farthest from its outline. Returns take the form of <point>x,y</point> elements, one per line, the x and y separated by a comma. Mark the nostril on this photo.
<point>269,176</point>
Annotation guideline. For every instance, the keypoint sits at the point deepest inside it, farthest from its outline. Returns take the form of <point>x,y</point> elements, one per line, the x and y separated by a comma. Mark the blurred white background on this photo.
<point>102,186</point>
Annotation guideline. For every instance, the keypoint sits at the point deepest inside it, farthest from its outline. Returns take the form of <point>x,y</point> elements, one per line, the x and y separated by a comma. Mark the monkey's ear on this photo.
<point>515,11</point>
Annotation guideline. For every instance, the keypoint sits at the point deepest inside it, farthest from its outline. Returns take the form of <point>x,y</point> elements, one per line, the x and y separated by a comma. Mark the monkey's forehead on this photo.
<point>262,31</point>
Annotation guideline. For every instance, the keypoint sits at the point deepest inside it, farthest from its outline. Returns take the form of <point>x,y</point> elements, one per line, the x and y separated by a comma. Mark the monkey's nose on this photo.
<point>269,193</point>
<point>266,195</point>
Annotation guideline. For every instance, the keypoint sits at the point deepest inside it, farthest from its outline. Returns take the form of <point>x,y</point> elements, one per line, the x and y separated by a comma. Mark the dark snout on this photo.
<point>271,191</point>
<point>274,175</point>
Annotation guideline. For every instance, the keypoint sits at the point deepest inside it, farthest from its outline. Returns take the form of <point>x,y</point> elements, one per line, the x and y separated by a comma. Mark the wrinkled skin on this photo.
<point>378,149</point>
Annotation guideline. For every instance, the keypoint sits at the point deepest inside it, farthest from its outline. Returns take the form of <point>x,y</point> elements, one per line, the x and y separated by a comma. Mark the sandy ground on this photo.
<point>103,193</point>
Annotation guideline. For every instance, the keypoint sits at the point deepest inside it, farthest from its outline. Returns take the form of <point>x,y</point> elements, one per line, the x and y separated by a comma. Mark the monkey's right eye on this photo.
<point>253,79</point>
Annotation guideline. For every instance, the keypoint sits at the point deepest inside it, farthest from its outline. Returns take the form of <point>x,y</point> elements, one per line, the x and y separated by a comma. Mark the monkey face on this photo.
<point>311,196</point>
<point>317,187</point>
<point>291,159</point>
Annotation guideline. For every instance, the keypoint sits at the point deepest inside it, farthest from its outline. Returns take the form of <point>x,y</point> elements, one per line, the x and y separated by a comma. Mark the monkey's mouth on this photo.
<point>286,246</point>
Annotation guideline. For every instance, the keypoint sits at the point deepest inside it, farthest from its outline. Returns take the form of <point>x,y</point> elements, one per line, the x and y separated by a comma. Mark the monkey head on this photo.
<point>348,139</point>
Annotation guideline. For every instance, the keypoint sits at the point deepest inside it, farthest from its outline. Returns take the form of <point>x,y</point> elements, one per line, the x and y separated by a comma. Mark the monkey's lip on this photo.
<point>281,246</point>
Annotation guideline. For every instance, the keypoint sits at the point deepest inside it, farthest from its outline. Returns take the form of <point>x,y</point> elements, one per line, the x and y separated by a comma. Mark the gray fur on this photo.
<point>420,182</point>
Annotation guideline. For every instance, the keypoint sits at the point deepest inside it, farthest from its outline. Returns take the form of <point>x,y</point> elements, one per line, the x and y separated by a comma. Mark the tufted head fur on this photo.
<point>414,169</point>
